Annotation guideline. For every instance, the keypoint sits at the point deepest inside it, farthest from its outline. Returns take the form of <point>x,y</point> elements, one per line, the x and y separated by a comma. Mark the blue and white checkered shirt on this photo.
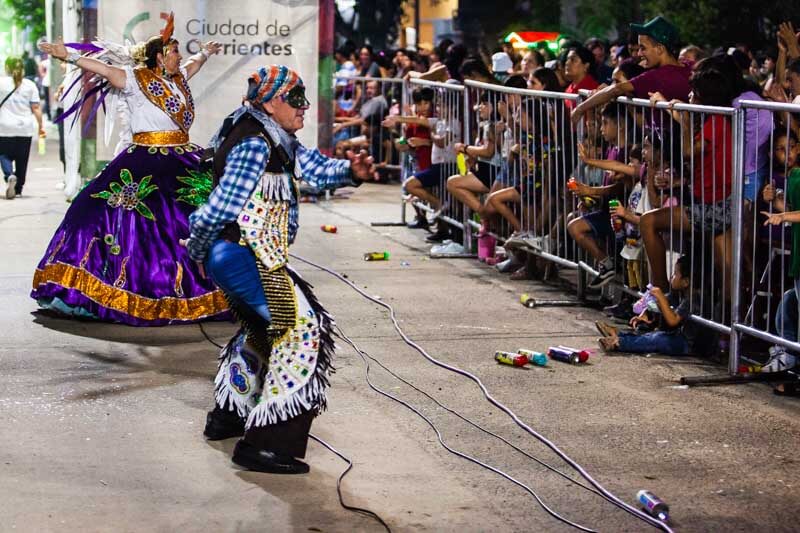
<point>244,166</point>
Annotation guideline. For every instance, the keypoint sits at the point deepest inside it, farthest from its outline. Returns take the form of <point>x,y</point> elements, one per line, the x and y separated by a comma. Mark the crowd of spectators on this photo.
<point>654,189</point>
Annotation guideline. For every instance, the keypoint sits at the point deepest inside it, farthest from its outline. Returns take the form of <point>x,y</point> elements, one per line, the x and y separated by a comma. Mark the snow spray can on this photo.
<point>654,505</point>
<point>534,358</point>
<point>376,256</point>
<point>567,355</point>
<point>572,184</point>
<point>327,228</point>
<point>527,300</point>
<point>616,222</point>
<point>508,358</point>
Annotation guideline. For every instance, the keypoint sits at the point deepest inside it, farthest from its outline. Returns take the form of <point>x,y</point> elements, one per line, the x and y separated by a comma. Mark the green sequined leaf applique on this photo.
<point>199,186</point>
<point>144,211</point>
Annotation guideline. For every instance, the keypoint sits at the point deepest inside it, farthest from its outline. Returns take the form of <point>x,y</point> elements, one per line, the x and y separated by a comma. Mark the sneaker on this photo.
<point>604,275</point>
<point>779,360</point>
<point>11,187</point>
<point>509,265</point>
<point>621,311</point>
<point>605,329</point>
<point>437,247</point>
<point>419,223</point>
<point>441,235</point>
<point>451,248</point>
<point>517,238</point>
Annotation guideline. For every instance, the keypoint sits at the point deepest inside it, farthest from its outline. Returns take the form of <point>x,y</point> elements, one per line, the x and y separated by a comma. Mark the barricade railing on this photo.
<point>765,267</point>
<point>702,173</point>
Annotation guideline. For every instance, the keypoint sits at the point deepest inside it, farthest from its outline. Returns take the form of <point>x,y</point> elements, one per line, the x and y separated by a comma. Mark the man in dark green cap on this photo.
<point>658,42</point>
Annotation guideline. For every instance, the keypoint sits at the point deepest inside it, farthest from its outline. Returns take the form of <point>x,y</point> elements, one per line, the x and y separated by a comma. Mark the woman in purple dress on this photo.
<point>116,257</point>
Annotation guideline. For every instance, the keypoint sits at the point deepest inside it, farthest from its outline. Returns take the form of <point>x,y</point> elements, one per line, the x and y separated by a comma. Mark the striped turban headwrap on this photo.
<point>268,82</point>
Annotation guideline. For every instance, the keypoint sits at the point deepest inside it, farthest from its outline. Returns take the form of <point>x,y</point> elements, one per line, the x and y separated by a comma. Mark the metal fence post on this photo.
<point>738,221</point>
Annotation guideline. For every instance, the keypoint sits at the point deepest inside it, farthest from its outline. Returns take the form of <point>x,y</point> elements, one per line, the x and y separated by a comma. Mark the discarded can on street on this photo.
<point>527,300</point>
<point>327,228</point>
<point>376,256</point>
<point>654,505</point>
<point>534,358</point>
<point>567,354</point>
<point>508,358</point>
<point>749,369</point>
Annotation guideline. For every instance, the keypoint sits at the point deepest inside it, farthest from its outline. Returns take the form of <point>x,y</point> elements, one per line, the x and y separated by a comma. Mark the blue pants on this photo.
<point>233,268</point>
<point>666,342</point>
<point>787,314</point>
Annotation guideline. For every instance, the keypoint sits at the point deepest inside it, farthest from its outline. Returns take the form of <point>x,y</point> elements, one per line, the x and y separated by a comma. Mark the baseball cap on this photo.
<point>659,29</point>
<point>501,62</point>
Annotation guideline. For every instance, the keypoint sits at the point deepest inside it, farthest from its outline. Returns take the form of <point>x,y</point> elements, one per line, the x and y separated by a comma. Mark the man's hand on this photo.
<point>56,49</point>
<point>200,267</point>
<point>774,219</point>
<point>459,148</point>
<point>768,194</point>
<point>415,142</point>
<point>362,165</point>
<point>787,34</point>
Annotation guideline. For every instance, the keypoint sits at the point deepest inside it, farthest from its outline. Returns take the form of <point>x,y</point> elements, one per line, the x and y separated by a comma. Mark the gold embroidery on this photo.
<point>57,248</point>
<point>167,308</point>
<point>158,92</point>
<point>161,138</point>
<point>88,251</point>
<point>122,279</point>
<point>179,280</point>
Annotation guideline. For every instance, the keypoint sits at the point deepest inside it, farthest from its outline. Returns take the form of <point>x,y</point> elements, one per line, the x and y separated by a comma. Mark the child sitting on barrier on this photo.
<point>485,155</point>
<point>677,334</point>
<point>445,131</point>
<point>588,229</point>
<point>417,136</point>
<point>711,151</point>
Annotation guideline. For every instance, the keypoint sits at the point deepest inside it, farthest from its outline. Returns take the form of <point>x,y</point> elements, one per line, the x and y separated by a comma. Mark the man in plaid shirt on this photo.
<point>274,372</point>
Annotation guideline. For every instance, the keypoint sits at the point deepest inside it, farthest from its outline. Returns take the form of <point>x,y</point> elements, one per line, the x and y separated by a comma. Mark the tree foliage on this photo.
<point>28,14</point>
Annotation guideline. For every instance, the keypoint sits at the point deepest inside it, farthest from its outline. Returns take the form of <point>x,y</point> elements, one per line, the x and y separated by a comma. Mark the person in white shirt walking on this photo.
<point>19,115</point>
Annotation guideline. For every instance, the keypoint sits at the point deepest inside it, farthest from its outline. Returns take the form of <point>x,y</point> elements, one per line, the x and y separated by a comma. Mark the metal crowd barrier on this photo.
<point>700,198</point>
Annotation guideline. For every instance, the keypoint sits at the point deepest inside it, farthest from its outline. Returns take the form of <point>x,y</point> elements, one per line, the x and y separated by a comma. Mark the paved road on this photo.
<point>101,424</point>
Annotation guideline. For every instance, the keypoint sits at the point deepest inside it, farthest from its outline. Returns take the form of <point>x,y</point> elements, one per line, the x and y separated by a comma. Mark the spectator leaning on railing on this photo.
<point>657,41</point>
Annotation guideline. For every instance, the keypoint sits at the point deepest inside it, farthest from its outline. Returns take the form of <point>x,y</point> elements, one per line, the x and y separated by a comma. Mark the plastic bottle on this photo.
<point>508,358</point>
<point>534,358</point>
<point>654,505</point>
<point>376,256</point>
<point>327,228</point>
<point>616,222</point>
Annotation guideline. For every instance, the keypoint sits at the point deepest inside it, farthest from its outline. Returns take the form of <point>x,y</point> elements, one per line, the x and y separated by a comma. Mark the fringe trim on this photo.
<point>276,186</point>
<point>226,399</point>
<point>312,397</point>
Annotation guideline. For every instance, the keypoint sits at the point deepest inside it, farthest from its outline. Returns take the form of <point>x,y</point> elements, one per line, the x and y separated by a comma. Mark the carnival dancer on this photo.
<point>115,257</point>
<point>273,373</point>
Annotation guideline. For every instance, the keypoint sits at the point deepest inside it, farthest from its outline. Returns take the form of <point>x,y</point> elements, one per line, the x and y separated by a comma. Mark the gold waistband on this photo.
<point>161,138</point>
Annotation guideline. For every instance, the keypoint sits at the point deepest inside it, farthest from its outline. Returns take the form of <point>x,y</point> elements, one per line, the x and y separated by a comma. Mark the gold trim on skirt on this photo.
<point>161,138</point>
<point>167,308</point>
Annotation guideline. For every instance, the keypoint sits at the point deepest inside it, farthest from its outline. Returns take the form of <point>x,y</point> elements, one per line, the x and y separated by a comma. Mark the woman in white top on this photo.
<point>19,116</point>
<point>116,256</point>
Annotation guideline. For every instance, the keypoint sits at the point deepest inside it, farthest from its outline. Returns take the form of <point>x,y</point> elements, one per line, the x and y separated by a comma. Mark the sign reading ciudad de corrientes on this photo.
<point>253,33</point>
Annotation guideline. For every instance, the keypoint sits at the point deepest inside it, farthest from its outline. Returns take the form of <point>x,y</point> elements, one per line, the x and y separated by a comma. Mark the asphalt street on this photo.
<point>102,424</point>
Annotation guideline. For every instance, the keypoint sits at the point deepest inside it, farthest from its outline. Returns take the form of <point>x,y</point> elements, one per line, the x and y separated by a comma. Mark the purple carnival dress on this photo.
<point>116,256</point>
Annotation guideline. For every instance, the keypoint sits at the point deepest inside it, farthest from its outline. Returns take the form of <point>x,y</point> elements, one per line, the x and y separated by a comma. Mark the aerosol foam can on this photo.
<point>327,228</point>
<point>567,354</point>
<point>376,256</point>
<point>508,358</point>
<point>654,505</point>
<point>534,358</point>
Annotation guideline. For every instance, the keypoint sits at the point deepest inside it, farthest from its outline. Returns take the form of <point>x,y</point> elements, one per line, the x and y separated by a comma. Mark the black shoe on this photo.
<point>222,425</point>
<point>439,236</point>
<point>252,458</point>
<point>621,311</point>
<point>419,223</point>
<point>604,275</point>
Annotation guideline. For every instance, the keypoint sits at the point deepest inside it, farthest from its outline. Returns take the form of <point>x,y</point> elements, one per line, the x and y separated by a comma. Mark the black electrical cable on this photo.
<point>608,495</point>
<point>456,452</point>
<point>209,339</point>
<point>467,420</point>
<point>353,508</point>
